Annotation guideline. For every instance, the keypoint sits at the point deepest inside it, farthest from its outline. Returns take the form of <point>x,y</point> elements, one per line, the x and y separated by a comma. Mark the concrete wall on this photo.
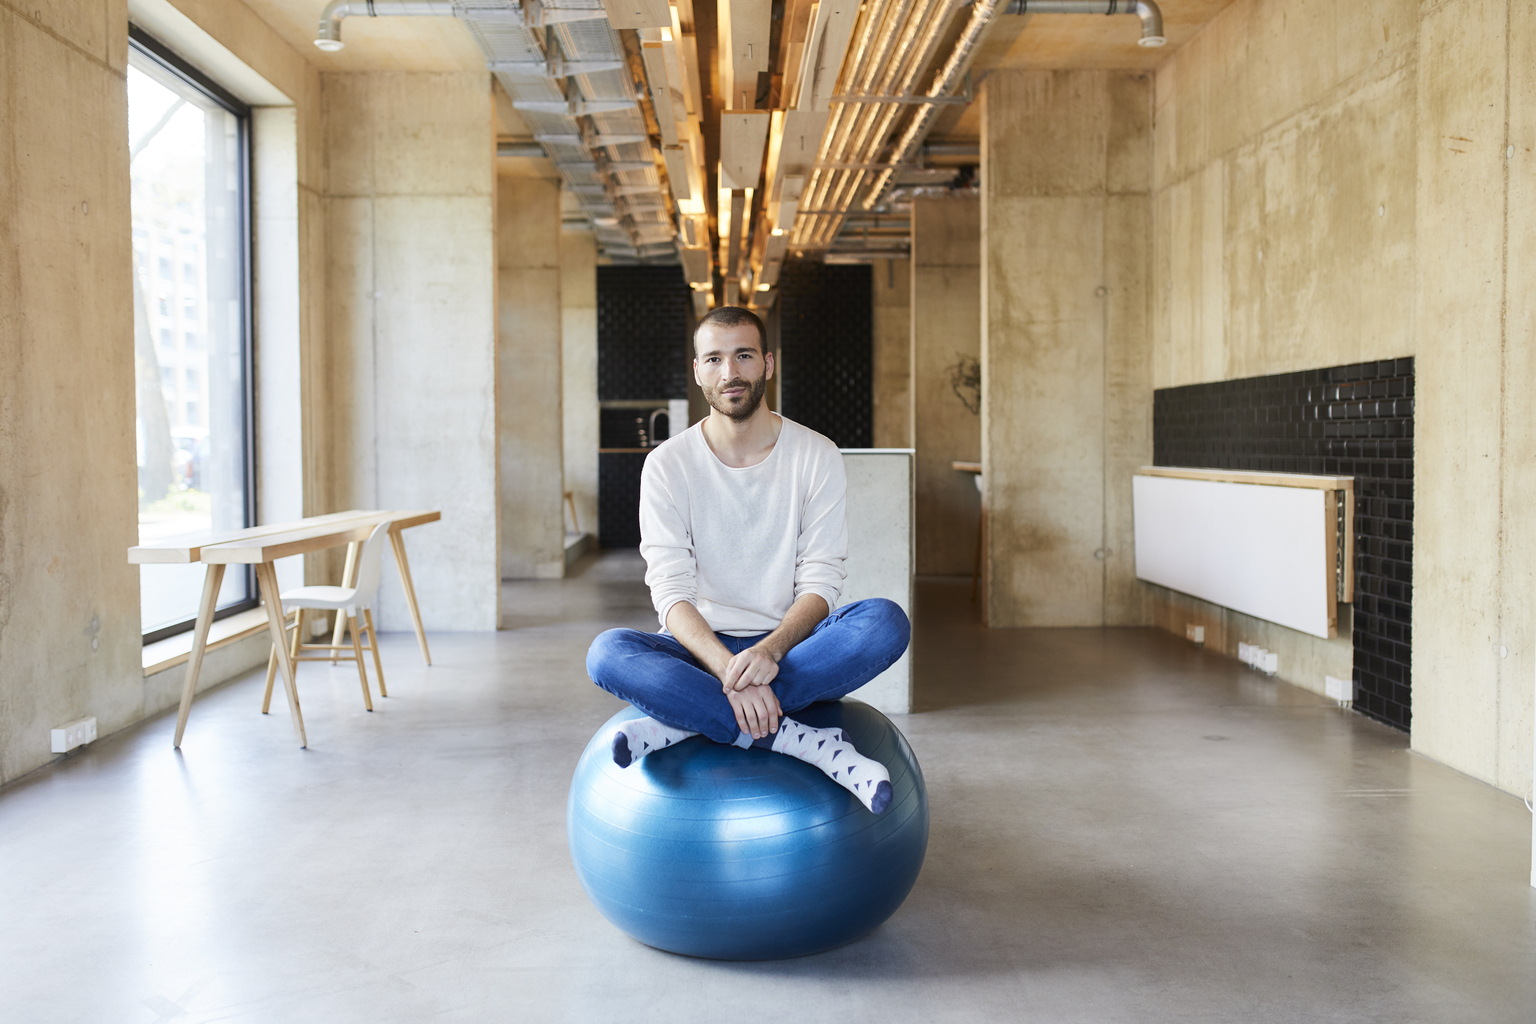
<point>1285,227</point>
<point>69,604</point>
<point>1066,409</point>
<point>411,275</point>
<point>529,384</point>
<point>891,306</point>
<point>578,371</point>
<point>946,338</point>
<point>1343,182</point>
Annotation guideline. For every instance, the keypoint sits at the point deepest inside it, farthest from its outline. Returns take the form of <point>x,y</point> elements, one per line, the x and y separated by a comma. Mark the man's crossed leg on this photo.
<point>848,648</point>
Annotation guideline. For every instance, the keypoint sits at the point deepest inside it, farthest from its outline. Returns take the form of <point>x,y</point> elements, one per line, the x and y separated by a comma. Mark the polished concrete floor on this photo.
<point>1124,828</point>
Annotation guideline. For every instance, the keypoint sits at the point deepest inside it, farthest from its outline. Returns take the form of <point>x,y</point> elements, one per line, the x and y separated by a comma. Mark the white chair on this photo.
<point>356,603</point>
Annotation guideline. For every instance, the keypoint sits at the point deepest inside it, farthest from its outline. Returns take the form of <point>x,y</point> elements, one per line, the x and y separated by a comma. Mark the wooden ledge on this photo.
<point>1238,476</point>
<point>175,650</point>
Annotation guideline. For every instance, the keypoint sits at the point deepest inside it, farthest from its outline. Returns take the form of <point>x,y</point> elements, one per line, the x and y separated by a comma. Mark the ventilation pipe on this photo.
<point>959,62</point>
<point>532,15</point>
<point>329,37</point>
<point>982,12</point>
<point>1146,10</point>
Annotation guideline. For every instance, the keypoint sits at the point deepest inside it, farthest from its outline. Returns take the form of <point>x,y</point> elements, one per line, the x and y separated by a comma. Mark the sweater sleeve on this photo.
<point>666,544</point>
<point>823,545</point>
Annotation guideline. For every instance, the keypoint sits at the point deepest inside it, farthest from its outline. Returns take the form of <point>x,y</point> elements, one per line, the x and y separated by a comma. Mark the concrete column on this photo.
<point>1066,381</point>
<point>890,284</point>
<point>1474,566</point>
<point>946,353</point>
<point>412,328</point>
<point>578,371</point>
<point>528,340</point>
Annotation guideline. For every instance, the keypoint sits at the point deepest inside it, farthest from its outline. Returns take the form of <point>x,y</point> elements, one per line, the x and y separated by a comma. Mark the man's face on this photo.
<point>730,366</point>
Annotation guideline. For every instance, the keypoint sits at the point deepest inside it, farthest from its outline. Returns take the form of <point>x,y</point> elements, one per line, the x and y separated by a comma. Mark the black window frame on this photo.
<point>150,48</point>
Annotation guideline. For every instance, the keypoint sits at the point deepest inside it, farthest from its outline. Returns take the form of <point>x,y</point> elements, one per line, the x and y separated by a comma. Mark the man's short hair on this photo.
<point>733,316</point>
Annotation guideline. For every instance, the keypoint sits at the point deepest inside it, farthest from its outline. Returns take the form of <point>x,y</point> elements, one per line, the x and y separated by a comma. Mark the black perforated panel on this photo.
<point>642,333</point>
<point>1344,421</point>
<point>826,341</point>
<point>618,499</point>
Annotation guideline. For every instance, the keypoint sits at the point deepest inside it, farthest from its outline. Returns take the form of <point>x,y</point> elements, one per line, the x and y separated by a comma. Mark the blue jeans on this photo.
<point>655,673</point>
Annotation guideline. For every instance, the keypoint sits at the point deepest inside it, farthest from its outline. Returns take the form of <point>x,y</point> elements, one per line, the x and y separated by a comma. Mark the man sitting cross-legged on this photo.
<point>744,533</point>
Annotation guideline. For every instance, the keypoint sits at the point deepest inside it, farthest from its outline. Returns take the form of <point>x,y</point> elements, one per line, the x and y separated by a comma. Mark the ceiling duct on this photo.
<point>570,82</point>
<point>892,49</point>
<point>850,172</point>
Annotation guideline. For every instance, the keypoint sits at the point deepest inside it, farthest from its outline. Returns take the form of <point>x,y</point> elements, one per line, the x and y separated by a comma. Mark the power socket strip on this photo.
<point>1194,634</point>
<point>75,734</point>
<point>1257,657</point>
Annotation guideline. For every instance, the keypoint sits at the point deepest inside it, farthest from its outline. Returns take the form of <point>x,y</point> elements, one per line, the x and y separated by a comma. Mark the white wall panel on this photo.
<point>880,554</point>
<point>1262,550</point>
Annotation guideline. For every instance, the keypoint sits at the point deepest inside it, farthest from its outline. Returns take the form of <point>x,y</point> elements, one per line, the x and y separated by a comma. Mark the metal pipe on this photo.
<point>877,25</point>
<point>1151,17</point>
<point>888,59</point>
<point>919,57</point>
<point>959,60</point>
<point>329,36</point>
<point>943,83</point>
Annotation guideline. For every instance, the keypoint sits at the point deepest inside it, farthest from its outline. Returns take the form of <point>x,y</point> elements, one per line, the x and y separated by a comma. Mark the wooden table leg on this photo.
<point>397,542</point>
<point>212,580</point>
<point>266,575</point>
<point>346,581</point>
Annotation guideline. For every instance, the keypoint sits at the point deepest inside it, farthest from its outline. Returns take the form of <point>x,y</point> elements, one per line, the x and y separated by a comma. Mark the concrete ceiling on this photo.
<point>1074,41</point>
<point>1036,41</point>
<point>1092,40</point>
<point>375,44</point>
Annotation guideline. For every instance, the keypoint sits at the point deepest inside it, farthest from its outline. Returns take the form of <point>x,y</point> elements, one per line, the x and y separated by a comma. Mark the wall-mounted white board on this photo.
<point>1266,551</point>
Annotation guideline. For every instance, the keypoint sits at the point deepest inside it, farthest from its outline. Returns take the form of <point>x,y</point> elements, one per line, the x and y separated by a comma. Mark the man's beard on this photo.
<point>746,404</point>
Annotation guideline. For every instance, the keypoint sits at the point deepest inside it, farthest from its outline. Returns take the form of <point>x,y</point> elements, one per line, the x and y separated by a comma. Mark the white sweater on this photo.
<point>743,544</point>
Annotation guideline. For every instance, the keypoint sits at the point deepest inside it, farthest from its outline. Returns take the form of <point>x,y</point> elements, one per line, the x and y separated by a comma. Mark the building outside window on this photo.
<point>189,177</point>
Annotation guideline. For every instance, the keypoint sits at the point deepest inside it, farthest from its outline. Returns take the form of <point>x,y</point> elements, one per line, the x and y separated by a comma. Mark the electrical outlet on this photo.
<point>1257,657</point>
<point>75,734</point>
<point>1194,633</point>
<point>1341,690</point>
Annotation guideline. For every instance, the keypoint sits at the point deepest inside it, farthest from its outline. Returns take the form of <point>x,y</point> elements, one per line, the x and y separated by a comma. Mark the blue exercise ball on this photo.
<point>713,851</point>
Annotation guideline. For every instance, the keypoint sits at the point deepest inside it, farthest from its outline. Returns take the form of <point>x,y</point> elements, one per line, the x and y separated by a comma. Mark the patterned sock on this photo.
<point>640,736</point>
<point>831,751</point>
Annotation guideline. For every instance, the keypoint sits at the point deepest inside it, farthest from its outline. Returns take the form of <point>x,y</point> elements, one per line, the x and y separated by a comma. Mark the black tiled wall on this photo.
<point>618,499</point>
<point>642,333</point>
<point>826,345</point>
<point>1344,421</point>
<point>643,315</point>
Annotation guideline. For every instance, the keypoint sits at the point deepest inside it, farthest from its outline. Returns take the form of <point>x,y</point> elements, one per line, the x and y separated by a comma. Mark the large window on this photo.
<point>190,171</point>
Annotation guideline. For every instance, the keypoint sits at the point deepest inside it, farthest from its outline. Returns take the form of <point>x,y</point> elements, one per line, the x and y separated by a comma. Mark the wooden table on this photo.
<point>261,546</point>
